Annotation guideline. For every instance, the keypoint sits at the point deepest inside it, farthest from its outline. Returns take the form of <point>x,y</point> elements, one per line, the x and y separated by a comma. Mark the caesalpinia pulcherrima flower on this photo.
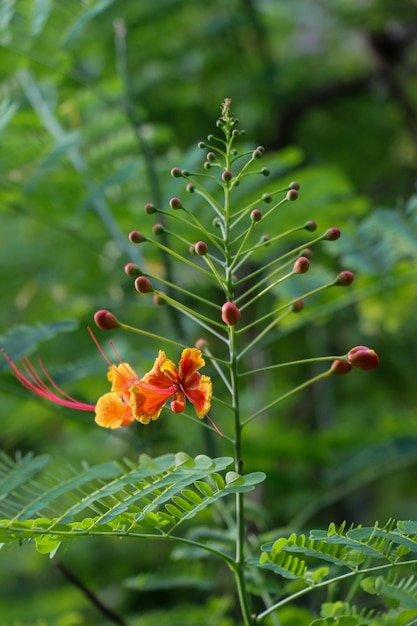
<point>132,398</point>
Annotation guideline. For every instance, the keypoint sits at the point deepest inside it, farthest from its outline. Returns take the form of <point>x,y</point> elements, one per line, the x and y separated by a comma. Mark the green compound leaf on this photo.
<point>151,498</point>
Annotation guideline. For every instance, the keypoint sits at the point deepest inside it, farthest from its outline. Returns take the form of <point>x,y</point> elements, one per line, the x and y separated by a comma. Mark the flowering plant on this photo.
<point>156,498</point>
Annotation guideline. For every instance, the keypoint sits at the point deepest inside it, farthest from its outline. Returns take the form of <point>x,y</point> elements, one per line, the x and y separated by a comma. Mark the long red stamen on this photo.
<point>34,383</point>
<point>214,426</point>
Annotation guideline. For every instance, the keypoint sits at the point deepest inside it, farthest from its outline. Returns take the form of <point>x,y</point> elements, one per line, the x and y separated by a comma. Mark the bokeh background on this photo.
<point>99,99</point>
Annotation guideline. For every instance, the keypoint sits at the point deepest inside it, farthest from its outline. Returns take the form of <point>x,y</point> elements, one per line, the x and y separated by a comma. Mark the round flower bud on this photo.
<point>190,188</point>
<point>201,344</point>
<point>256,215</point>
<point>105,320</point>
<point>308,252</point>
<point>136,237</point>
<point>207,165</point>
<point>149,208</point>
<point>201,144</point>
<point>265,171</point>
<point>175,203</point>
<point>201,248</point>
<point>185,173</point>
<point>302,265</point>
<point>261,149</point>
<point>294,185</point>
<point>227,176</point>
<point>297,306</point>
<point>131,269</point>
<point>256,154</point>
<point>266,197</point>
<point>344,279</point>
<point>143,285</point>
<point>292,194</point>
<point>363,358</point>
<point>339,367</point>
<point>158,299</point>
<point>332,234</point>
<point>230,313</point>
<point>311,226</point>
<point>176,172</point>
<point>211,156</point>
<point>158,229</point>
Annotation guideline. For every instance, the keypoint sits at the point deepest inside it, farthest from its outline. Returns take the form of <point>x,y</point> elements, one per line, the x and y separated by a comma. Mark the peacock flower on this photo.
<point>131,398</point>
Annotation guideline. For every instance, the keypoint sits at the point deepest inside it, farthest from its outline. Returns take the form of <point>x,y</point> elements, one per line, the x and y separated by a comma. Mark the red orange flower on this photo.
<point>132,398</point>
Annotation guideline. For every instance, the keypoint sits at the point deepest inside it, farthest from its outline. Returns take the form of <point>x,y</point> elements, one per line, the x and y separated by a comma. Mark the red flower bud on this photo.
<point>158,229</point>
<point>292,195</point>
<point>308,252</point>
<point>230,313</point>
<point>175,203</point>
<point>136,237</point>
<point>201,248</point>
<point>105,320</point>
<point>297,306</point>
<point>302,265</point>
<point>256,215</point>
<point>332,234</point>
<point>131,269</point>
<point>311,226</point>
<point>150,208</point>
<point>340,367</point>
<point>227,176</point>
<point>143,285</point>
<point>344,279</point>
<point>294,185</point>
<point>176,172</point>
<point>158,299</point>
<point>363,358</point>
<point>201,344</point>
<point>256,154</point>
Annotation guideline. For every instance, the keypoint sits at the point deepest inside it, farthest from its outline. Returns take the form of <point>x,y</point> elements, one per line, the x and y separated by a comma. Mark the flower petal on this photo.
<point>120,376</point>
<point>147,401</point>
<point>200,396</point>
<point>191,361</point>
<point>112,412</point>
<point>156,376</point>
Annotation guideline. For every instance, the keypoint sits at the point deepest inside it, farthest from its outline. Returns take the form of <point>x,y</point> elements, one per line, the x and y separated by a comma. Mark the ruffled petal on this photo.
<point>156,376</point>
<point>147,401</point>
<point>120,376</point>
<point>200,396</point>
<point>112,412</point>
<point>190,361</point>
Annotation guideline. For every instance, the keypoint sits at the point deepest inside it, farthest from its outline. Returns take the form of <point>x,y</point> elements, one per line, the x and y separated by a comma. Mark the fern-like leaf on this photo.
<point>152,498</point>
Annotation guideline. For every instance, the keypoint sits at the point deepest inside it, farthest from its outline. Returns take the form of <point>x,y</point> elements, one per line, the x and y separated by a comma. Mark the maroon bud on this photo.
<point>149,208</point>
<point>256,154</point>
<point>256,215</point>
<point>297,306</point>
<point>105,320</point>
<point>266,197</point>
<point>143,285</point>
<point>201,248</point>
<point>332,234</point>
<point>265,171</point>
<point>302,265</point>
<point>363,358</point>
<point>175,203</point>
<point>344,279</point>
<point>340,367</point>
<point>230,313</point>
<point>131,269</point>
<point>136,237</point>
<point>158,229</point>
<point>201,344</point>
<point>176,172</point>
<point>211,156</point>
<point>294,185</point>
<point>308,252</point>
<point>311,226</point>
<point>158,299</point>
<point>292,195</point>
<point>227,176</point>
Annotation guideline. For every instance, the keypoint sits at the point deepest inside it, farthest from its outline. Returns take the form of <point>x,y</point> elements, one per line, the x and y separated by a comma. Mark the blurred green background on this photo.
<point>99,99</point>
